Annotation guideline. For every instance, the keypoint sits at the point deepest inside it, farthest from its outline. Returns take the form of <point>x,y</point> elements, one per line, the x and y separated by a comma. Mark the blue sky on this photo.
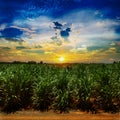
<point>78,30</point>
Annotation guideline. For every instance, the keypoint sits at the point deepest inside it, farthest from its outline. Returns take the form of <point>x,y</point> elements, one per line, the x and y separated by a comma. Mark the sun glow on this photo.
<point>61,59</point>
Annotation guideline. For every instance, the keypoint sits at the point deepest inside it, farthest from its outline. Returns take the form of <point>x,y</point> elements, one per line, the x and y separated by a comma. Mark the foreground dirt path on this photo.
<point>73,115</point>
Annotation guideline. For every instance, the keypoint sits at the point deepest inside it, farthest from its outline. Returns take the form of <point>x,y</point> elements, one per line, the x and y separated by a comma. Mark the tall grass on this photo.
<point>88,87</point>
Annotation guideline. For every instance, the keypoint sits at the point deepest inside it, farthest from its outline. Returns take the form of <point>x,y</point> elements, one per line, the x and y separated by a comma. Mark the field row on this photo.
<point>88,87</point>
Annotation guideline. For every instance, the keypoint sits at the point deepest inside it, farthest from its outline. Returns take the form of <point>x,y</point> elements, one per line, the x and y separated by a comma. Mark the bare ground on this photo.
<point>73,115</point>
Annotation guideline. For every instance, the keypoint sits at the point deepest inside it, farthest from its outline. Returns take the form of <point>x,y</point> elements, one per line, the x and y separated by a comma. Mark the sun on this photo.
<point>61,59</point>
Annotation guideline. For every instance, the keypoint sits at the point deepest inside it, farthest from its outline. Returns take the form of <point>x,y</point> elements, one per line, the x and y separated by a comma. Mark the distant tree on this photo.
<point>41,62</point>
<point>31,62</point>
<point>16,62</point>
<point>114,62</point>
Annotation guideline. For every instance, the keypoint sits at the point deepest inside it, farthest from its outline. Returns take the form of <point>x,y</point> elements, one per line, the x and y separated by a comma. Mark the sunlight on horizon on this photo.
<point>61,59</point>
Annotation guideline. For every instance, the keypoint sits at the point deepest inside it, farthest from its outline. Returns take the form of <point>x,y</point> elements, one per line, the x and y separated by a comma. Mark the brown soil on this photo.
<point>73,115</point>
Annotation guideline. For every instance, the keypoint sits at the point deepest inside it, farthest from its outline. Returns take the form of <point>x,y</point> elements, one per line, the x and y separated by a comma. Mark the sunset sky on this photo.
<point>60,30</point>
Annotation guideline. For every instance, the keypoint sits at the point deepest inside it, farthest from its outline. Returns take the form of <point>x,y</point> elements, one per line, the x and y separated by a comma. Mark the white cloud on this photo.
<point>82,48</point>
<point>39,23</point>
<point>23,29</point>
<point>2,26</point>
<point>40,29</point>
<point>87,26</point>
<point>84,22</point>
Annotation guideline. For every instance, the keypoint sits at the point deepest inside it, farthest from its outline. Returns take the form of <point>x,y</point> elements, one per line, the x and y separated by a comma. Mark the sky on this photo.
<point>56,31</point>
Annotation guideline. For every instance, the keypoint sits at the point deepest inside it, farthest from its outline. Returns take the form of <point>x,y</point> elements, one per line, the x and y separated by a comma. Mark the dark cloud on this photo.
<point>35,51</point>
<point>117,39</point>
<point>117,30</point>
<point>57,25</point>
<point>63,29</point>
<point>11,33</point>
<point>65,33</point>
<point>5,48</point>
<point>56,40</point>
<point>15,40</point>
<point>20,47</point>
<point>38,46</point>
<point>92,48</point>
<point>68,29</point>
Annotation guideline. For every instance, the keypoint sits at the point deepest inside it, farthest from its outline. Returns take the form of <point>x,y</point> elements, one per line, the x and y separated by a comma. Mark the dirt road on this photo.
<point>73,115</point>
